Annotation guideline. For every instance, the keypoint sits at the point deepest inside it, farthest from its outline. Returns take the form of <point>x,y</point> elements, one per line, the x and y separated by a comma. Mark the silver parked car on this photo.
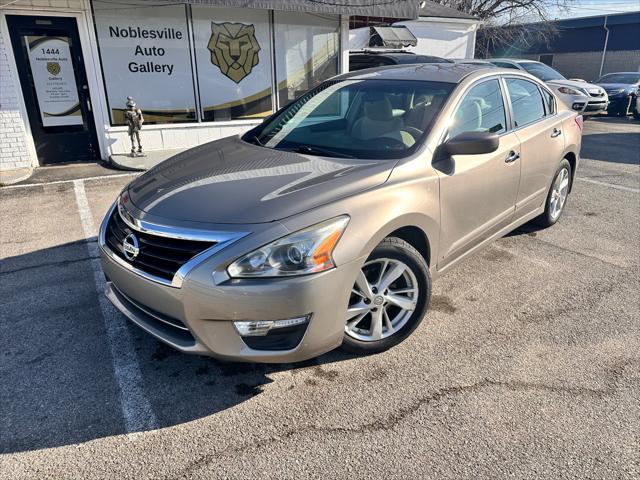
<point>325,225</point>
<point>581,96</point>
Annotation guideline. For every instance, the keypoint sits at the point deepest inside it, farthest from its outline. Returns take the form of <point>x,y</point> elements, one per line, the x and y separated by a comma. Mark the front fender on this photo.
<point>409,198</point>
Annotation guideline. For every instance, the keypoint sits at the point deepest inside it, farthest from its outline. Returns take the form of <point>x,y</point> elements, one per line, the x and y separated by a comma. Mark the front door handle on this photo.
<point>555,133</point>
<point>512,157</point>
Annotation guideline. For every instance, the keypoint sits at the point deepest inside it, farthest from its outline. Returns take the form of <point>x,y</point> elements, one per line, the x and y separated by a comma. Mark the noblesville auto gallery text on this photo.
<point>150,66</point>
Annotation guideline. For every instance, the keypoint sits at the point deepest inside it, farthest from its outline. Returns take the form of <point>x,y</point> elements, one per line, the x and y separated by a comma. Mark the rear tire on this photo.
<point>393,293</point>
<point>557,196</point>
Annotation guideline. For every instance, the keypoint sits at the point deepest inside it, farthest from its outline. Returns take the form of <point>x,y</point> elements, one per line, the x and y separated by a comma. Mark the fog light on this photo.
<point>260,328</point>
<point>577,106</point>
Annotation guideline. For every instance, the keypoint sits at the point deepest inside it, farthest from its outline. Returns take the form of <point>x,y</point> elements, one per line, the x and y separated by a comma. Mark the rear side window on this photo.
<point>481,110</point>
<point>526,101</point>
<point>549,101</point>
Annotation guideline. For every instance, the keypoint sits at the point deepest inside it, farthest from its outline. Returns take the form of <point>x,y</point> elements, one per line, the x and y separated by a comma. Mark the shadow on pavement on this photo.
<point>58,386</point>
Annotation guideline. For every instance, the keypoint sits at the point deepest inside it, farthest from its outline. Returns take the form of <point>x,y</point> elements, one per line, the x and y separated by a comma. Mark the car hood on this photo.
<point>231,181</point>
<point>616,86</point>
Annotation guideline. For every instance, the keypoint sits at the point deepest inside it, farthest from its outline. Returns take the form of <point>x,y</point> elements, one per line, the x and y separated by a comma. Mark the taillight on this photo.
<point>579,121</point>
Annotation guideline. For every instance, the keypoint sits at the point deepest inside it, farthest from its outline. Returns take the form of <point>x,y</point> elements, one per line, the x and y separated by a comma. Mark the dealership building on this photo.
<point>198,69</point>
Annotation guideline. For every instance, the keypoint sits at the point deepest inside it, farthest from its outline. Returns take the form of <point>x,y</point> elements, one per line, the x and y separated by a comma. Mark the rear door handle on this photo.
<point>512,157</point>
<point>555,133</point>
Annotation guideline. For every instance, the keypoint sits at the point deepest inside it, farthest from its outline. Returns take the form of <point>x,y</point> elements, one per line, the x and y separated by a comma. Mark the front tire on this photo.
<point>557,196</point>
<point>389,299</point>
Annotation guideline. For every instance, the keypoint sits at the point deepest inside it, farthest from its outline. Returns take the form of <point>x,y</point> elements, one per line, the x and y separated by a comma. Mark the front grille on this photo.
<point>592,107</point>
<point>597,94</point>
<point>158,256</point>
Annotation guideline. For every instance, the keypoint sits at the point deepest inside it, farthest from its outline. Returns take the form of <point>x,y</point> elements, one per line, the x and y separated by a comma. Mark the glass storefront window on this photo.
<point>145,53</point>
<point>233,57</point>
<point>190,63</point>
<point>307,48</point>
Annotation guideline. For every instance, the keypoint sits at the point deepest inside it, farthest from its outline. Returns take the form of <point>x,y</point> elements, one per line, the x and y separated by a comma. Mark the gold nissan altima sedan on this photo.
<point>325,225</point>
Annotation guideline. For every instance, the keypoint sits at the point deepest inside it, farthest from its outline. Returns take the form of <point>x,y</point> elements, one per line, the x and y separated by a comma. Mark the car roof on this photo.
<point>431,72</point>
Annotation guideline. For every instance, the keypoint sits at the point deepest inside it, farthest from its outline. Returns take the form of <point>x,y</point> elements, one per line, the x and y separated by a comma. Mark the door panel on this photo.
<point>54,86</point>
<point>477,198</point>
<point>541,138</point>
<point>541,152</point>
<point>477,192</point>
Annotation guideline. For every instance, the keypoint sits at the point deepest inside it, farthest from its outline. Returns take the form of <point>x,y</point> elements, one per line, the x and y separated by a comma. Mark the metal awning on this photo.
<point>400,9</point>
<point>394,37</point>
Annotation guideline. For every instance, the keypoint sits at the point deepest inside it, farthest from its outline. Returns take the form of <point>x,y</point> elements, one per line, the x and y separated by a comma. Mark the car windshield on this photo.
<point>382,119</point>
<point>542,71</point>
<point>627,78</point>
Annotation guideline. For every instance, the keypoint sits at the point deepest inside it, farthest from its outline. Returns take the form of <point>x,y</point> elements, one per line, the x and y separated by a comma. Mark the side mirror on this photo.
<point>470,143</point>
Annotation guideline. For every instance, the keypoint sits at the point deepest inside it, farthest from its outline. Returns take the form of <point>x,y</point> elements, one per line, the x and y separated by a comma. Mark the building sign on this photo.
<point>234,49</point>
<point>145,54</point>
<point>55,81</point>
<point>233,56</point>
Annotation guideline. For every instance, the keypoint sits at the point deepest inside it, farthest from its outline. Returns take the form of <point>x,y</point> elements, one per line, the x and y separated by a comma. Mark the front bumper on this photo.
<point>198,317</point>
<point>588,105</point>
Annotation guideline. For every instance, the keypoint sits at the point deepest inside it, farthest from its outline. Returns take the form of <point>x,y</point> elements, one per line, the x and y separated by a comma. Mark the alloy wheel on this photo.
<point>559,193</point>
<point>382,300</point>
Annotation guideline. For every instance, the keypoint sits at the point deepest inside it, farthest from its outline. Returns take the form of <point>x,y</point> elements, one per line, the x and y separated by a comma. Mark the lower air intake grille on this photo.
<point>157,256</point>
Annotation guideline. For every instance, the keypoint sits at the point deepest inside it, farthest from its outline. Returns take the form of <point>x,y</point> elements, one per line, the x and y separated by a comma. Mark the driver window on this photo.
<point>481,110</point>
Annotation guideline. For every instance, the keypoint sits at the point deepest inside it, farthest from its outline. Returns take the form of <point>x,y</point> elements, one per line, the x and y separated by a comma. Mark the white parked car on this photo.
<point>583,97</point>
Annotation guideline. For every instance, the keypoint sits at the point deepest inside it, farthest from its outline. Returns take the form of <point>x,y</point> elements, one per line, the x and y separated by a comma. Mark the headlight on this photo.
<point>616,91</point>
<point>306,251</point>
<point>570,91</point>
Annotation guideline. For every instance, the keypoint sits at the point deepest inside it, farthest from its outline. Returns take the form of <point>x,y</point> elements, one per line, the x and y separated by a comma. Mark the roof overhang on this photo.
<point>394,37</point>
<point>400,9</point>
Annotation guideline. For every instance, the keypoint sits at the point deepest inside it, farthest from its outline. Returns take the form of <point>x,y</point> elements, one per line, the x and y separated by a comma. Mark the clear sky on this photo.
<point>588,8</point>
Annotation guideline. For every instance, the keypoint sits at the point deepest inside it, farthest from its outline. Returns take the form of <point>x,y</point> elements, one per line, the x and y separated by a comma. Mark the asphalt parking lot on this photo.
<point>527,365</point>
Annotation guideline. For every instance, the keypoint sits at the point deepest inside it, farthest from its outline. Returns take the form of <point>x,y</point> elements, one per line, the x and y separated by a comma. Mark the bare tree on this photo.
<point>504,19</point>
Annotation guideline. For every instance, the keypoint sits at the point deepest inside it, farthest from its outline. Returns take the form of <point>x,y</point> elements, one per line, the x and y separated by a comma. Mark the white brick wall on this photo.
<point>14,152</point>
<point>49,4</point>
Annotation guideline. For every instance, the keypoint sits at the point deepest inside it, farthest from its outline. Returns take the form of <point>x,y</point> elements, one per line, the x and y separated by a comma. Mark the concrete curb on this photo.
<point>150,159</point>
<point>9,177</point>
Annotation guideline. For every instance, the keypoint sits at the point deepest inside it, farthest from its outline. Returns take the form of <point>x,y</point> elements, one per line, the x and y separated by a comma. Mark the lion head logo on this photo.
<point>234,49</point>
<point>53,68</point>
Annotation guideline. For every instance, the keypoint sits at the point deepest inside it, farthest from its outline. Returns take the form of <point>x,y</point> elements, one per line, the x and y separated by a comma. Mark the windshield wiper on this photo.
<point>325,152</point>
<point>253,139</point>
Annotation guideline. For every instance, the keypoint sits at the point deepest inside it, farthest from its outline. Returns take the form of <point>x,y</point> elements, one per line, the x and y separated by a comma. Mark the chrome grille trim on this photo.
<point>174,232</point>
<point>222,239</point>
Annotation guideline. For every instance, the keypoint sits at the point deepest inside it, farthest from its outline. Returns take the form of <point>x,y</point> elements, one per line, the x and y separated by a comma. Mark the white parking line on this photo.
<point>610,185</point>
<point>136,408</point>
